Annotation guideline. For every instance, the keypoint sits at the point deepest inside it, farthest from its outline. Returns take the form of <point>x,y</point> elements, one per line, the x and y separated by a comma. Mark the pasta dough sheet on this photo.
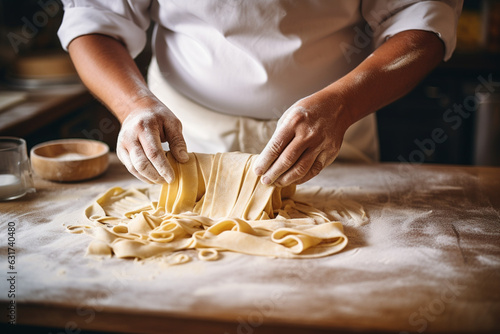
<point>216,203</point>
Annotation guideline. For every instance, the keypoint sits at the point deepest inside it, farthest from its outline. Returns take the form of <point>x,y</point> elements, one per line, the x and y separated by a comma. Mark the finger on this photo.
<point>323,160</point>
<point>284,162</point>
<point>289,114</point>
<point>176,141</point>
<point>299,170</point>
<point>123,155</point>
<point>142,164</point>
<point>274,148</point>
<point>151,144</point>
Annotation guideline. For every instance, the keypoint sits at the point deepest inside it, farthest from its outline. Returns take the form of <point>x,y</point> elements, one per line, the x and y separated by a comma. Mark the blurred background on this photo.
<point>452,117</point>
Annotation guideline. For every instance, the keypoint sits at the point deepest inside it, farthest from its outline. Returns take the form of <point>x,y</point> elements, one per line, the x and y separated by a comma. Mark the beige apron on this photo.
<point>208,131</point>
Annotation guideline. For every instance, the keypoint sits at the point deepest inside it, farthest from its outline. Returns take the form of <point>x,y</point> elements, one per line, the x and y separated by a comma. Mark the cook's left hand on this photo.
<point>307,139</point>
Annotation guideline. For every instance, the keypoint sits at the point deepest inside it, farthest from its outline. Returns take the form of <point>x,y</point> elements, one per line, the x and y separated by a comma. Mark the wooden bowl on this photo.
<point>70,159</point>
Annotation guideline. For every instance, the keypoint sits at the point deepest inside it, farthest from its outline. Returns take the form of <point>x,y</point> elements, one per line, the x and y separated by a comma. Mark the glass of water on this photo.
<point>15,170</point>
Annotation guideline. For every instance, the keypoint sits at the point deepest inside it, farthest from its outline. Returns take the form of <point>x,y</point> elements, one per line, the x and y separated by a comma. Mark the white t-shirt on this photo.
<point>256,58</point>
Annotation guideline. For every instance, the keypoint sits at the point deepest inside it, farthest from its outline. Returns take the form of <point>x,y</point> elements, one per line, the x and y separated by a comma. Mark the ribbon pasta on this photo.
<point>216,203</point>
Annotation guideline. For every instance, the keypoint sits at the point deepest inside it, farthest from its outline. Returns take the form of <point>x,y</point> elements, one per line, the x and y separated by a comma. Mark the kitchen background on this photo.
<point>452,117</point>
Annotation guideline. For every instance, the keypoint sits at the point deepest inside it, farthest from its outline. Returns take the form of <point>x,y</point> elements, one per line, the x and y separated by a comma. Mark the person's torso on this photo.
<point>255,58</point>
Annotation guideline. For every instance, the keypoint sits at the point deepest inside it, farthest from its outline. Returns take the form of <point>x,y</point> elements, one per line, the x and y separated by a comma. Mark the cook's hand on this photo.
<point>139,142</point>
<point>307,139</point>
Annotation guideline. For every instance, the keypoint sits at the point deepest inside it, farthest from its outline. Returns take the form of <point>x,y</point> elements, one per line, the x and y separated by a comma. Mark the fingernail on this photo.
<point>169,179</point>
<point>258,171</point>
<point>266,180</point>
<point>183,155</point>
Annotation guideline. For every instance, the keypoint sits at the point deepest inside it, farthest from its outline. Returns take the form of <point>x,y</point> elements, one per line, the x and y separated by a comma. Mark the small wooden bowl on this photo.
<point>70,159</point>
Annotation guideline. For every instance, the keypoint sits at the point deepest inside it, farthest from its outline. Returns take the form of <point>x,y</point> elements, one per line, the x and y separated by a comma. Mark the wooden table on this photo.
<point>427,262</point>
<point>41,108</point>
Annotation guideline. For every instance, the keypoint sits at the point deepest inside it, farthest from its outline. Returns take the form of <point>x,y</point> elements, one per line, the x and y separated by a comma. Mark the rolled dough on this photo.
<point>216,203</point>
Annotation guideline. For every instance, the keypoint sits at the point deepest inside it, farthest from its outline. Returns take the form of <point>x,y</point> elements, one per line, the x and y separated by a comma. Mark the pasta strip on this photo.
<point>216,203</point>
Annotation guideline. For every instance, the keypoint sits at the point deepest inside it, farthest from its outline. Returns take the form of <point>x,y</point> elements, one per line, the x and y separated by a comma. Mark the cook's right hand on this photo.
<point>139,142</point>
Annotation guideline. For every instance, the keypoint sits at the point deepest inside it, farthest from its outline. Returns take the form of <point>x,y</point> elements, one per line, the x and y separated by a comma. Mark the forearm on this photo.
<point>311,131</point>
<point>109,72</point>
<point>106,68</point>
<point>395,68</point>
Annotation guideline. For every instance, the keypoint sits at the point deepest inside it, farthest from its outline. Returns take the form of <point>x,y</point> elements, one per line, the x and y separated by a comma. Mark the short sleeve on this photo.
<point>126,21</point>
<point>389,17</point>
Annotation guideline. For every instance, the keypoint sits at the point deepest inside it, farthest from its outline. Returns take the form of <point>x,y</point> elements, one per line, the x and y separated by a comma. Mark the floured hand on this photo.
<point>139,142</point>
<point>307,139</point>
